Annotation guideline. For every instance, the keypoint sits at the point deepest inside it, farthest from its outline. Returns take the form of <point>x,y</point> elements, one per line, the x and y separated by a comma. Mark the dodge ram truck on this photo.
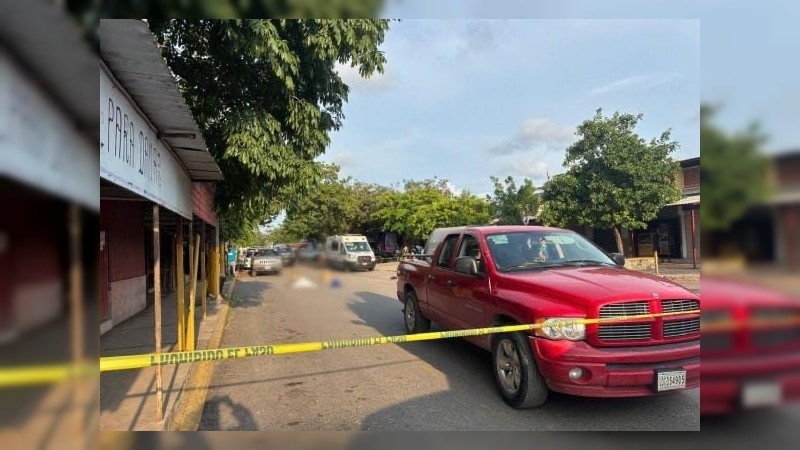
<point>751,347</point>
<point>484,276</point>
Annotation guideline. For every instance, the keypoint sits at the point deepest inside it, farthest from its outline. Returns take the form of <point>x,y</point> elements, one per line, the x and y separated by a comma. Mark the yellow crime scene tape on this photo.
<point>148,360</point>
<point>33,375</point>
<point>40,375</point>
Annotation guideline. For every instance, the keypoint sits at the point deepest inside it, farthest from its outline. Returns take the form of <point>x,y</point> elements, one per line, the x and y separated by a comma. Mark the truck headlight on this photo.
<point>562,328</point>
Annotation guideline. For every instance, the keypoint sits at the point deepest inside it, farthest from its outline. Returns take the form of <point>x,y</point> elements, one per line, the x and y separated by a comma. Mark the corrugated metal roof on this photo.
<point>130,52</point>
<point>690,200</point>
<point>48,43</point>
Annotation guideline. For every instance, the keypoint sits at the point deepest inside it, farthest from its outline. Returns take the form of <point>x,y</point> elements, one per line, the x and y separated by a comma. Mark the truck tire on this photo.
<point>414,321</point>
<point>515,372</point>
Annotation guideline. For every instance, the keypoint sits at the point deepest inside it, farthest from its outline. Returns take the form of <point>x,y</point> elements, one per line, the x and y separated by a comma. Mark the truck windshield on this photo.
<point>543,249</point>
<point>266,252</point>
<point>357,246</point>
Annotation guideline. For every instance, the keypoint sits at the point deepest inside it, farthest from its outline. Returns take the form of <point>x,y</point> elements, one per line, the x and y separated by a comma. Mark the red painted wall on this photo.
<point>124,221</point>
<point>691,177</point>
<point>203,202</point>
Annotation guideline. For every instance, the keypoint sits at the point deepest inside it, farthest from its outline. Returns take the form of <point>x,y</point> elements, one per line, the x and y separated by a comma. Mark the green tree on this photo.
<point>266,95</point>
<point>89,12</point>
<point>733,172</point>
<point>511,204</point>
<point>326,210</point>
<point>425,205</point>
<point>366,197</point>
<point>614,178</point>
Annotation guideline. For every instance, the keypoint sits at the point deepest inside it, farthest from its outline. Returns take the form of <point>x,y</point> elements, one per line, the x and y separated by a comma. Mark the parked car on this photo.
<point>288,256</point>
<point>266,260</point>
<point>349,252</point>
<point>750,344</point>
<point>309,254</point>
<point>246,258</point>
<point>499,275</point>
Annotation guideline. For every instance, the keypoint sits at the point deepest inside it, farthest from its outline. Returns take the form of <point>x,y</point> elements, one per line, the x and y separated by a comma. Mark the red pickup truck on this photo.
<point>751,347</point>
<point>473,277</point>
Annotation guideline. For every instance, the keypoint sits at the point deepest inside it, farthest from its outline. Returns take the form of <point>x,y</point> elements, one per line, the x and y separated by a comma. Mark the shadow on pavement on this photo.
<point>472,402</point>
<point>249,292</point>
<point>213,412</point>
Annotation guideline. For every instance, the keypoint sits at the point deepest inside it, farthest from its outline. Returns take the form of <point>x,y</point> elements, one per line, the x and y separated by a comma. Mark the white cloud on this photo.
<point>635,83</point>
<point>452,188</point>
<point>541,134</point>
<point>351,77</point>
<point>534,169</point>
<point>345,159</point>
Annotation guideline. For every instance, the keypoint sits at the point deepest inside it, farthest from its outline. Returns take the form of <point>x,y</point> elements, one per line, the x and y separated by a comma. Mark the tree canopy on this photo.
<point>511,204</point>
<point>732,172</point>
<point>425,205</point>
<point>614,178</point>
<point>266,95</point>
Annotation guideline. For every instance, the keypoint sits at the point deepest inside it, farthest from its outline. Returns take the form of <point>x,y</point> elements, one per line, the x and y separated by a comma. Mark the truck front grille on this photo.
<point>673,306</point>
<point>624,309</point>
<point>647,328</point>
<point>716,341</point>
<point>682,327</point>
<point>624,332</point>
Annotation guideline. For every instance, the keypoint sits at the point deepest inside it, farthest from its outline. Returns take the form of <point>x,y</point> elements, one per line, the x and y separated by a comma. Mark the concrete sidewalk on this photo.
<point>128,397</point>
<point>678,271</point>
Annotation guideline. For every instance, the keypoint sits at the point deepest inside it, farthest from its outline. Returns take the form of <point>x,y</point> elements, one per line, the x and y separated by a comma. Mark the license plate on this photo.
<point>755,395</point>
<point>669,380</point>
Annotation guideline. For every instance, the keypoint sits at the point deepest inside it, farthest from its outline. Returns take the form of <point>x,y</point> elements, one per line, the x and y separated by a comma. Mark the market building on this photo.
<point>156,176</point>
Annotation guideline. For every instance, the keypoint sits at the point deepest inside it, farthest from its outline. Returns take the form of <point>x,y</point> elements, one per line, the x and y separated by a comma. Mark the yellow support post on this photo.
<point>190,344</point>
<point>204,280</point>
<point>180,283</point>
<point>655,258</point>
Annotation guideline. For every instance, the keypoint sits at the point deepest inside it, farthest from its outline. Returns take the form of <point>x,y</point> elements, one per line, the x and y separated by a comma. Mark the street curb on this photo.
<point>188,408</point>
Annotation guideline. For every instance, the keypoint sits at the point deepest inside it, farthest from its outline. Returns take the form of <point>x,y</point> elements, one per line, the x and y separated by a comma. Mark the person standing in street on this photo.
<point>232,260</point>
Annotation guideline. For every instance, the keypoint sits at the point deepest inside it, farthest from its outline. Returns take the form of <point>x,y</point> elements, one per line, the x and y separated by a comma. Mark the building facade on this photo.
<point>156,174</point>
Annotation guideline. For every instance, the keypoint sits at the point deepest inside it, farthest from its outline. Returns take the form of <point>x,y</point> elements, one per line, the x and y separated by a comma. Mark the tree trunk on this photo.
<point>618,237</point>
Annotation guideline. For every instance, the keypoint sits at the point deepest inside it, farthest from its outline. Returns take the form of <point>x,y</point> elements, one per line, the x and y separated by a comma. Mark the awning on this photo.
<point>131,53</point>
<point>788,197</point>
<point>690,200</point>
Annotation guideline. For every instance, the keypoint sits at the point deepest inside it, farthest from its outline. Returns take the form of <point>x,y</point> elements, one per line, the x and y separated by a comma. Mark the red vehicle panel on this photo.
<point>522,274</point>
<point>751,347</point>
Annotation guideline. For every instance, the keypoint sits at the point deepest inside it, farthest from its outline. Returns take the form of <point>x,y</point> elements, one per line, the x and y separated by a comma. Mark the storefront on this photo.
<point>152,160</point>
<point>47,174</point>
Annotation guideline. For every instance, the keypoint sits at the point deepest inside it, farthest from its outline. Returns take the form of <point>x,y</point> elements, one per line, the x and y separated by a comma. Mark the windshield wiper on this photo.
<point>584,262</point>
<point>536,264</point>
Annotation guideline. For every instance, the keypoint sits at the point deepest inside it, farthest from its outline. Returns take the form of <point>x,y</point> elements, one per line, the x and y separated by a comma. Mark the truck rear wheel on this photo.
<point>515,372</point>
<point>414,320</point>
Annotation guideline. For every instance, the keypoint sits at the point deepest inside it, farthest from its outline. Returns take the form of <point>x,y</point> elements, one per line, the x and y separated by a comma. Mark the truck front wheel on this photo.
<point>415,321</point>
<point>515,372</point>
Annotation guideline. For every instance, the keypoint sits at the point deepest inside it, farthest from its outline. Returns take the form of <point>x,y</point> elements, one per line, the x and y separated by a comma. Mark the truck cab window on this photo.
<point>471,248</point>
<point>447,250</point>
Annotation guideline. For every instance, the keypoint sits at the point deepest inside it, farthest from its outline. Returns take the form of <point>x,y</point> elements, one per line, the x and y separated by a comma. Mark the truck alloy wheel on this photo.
<point>515,372</point>
<point>414,320</point>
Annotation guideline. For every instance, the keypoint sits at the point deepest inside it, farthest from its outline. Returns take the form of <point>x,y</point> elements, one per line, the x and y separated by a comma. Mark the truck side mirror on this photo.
<point>618,258</point>
<point>467,265</point>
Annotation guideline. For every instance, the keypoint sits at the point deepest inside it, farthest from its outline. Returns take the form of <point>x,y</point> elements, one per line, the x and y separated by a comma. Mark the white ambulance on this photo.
<point>349,252</point>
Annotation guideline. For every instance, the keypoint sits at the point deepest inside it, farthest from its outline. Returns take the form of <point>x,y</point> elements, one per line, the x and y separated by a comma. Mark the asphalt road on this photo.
<point>435,385</point>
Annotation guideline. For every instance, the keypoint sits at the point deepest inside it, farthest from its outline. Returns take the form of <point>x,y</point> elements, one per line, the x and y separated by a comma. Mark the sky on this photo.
<point>738,56</point>
<point>464,100</point>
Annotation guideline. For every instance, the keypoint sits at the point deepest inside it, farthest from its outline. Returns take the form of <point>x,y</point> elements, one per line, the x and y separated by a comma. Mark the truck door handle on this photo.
<point>431,277</point>
<point>452,283</point>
